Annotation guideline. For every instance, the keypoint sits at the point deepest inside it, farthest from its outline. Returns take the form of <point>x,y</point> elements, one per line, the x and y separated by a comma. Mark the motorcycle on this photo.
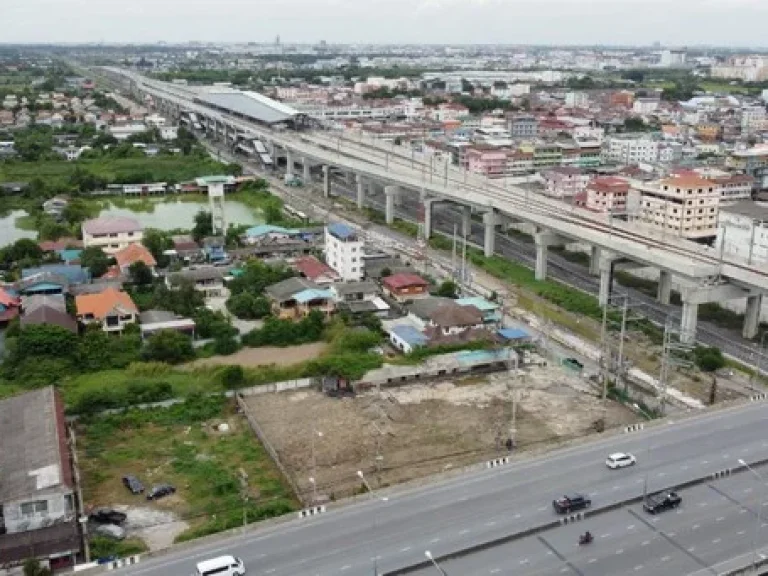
<point>585,539</point>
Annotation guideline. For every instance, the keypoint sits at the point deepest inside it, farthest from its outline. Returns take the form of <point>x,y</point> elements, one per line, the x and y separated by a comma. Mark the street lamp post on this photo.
<point>383,499</point>
<point>758,522</point>
<point>431,558</point>
<point>313,478</point>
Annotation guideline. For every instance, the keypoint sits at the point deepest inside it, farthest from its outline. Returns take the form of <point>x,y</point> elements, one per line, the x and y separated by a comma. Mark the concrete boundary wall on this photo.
<point>254,424</point>
<point>556,523</point>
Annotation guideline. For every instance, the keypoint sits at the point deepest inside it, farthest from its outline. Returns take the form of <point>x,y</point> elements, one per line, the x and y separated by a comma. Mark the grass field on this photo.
<point>212,470</point>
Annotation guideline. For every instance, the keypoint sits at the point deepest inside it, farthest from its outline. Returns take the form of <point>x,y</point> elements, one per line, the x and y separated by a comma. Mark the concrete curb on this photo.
<point>562,522</point>
<point>313,511</point>
<point>634,428</point>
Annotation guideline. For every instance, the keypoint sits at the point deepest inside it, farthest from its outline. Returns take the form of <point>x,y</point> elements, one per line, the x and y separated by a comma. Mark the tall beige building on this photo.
<point>685,206</point>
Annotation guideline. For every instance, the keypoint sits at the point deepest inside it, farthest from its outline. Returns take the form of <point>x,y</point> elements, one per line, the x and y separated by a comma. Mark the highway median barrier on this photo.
<point>474,549</point>
<point>496,462</point>
<point>722,474</point>
<point>634,428</point>
<point>571,518</point>
<point>312,511</point>
<point>758,397</point>
<point>120,562</point>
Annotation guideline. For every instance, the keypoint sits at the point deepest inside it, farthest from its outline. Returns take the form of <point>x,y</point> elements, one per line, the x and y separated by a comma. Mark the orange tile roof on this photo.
<point>687,181</point>
<point>99,305</point>
<point>133,253</point>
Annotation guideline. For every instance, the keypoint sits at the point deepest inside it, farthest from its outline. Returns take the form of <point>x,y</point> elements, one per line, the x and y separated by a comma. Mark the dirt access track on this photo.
<point>423,429</point>
<point>264,356</point>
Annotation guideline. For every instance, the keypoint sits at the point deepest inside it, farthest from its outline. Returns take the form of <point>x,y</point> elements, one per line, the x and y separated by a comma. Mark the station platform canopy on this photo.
<point>251,106</point>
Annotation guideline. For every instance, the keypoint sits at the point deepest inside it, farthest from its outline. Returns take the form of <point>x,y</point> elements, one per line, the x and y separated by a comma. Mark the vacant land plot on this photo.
<point>252,357</point>
<point>203,448</point>
<point>423,429</point>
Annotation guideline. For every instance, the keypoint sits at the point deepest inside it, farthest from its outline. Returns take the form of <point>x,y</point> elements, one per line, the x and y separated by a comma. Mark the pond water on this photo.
<point>9,232</point>
<point>173,215</point>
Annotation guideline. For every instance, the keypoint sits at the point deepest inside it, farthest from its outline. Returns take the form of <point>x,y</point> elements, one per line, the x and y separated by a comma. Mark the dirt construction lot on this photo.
<point>423,429</point>
<point>252,357</point>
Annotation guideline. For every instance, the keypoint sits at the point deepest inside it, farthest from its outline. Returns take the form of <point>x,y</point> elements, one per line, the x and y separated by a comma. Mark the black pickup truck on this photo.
<point>655,503</point>
<point>568,504</point>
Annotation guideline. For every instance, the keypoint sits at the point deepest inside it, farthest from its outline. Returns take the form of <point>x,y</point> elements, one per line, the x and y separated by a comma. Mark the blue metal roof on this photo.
<point>409,335</point>
<point>478,302</point>
<point>342,231</point>
<point>74,274</point>
<point>475,357</point>
<point>513,333</point>
<point>69,254</point>
<point>262,229</point>
<point>312,294</point>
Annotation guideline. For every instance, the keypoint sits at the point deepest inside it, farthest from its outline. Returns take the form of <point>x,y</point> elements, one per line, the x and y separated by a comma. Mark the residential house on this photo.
<point>47,309</point>
<point>214,248</point>
<point>320,273</point>
<point>112,309</point>
<point>185,247</point>
<point>405,286</point>
<point>153,321</point>
<point>491,311</point>
<point>55,206</point>
<point>295,298</point>
<point>445,316</point>
<point>111,233</point>
<point>359,298</point>
<point>565,181</point>
<point>268,233</point>
<point>406,338</point>
<point>208,279</point>
<point>133,253</point>
<point>607,194</point>
<point>9,305</point>
<point>38,512</point>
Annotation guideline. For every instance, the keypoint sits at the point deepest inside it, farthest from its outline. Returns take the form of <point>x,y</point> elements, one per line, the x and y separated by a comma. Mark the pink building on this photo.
<point>607,194</point>
<point>490,162</point>
<point>565,181</point>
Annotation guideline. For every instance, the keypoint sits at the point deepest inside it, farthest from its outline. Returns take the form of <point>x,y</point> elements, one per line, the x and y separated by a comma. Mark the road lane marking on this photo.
<point>704,462</point>
<point>615,488</point>
<point>543,508</point>
<point>719,518</point>
<point>726,456</point>
<point>702,504</point>
<point>645,543</point>
<point>631,527</point>
<point>695,527</point>
<point>619,551</point>
<point>716,541</point>
<point>524,561</point>
<point>665,558</point>
<point>638,567</point>
<point>592,561</point>
<point>434,540</point>
<point>516,516</point>
<point>272,570</point>
<point>691,548</point>
<point>741,532</point>
<point>661,474</point>
<point>495,570</point>
<point>491,523</point>
<point>684,467</point>
<point>465,531</point>
<point>565,569</point>
<point>743,511</point>
<point>671,534</point>
<point>405,549</point>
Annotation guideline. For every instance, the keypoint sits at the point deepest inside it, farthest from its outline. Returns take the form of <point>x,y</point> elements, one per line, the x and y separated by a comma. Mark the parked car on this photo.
<point>107,516</point>
<point>620,460</point>
<point>133,484</point>
<point>568,504</point>
<point>573,364</point>
<point>160,491</point>
<point>661,501</point>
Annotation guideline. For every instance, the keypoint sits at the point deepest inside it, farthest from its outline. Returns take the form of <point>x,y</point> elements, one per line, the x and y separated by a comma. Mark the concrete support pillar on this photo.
<point>688,322</point>
<point>390,193</point>
<point>542,252</point>
<point>466,221</point>
<point>307,173</point>
<point>752,316</point>
<point>326,181</point>
<point>350,178</point>
<point>594,261</point>
<point>489,245</point>
<point>665,287</point>
<point>428,202</point>
<point>606,280</point>
<point>288,163</point>
<point>360,192</point>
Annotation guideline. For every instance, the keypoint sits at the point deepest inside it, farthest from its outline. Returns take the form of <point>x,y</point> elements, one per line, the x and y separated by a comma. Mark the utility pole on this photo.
<point>82,519</point>
<point>674,353</point>
<point>244,494</point>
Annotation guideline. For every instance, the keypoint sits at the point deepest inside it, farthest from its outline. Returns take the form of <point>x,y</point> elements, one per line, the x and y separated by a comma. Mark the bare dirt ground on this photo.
<point>424,429</point>
<point>252,357</point>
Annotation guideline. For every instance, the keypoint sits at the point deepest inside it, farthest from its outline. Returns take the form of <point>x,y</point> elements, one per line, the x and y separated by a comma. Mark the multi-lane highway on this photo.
<point>488,504</point>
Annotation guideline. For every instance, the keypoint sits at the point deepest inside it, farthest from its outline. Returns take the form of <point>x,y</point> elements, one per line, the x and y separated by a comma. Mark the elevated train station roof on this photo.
<point>250,106</point>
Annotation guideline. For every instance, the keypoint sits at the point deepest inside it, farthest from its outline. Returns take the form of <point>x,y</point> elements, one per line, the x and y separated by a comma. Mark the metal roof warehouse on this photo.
<point>251,106</point>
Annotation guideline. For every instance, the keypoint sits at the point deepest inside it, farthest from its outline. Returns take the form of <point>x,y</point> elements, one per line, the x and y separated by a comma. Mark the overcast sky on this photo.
<point>637,22</point>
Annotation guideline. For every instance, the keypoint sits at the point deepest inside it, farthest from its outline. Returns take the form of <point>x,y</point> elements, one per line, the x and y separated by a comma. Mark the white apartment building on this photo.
<point>742,231</point>
<point>630,149</point>
<point>731,187</point>
<point>753,118</point>
<point>645,106</point>
<point>577,100</point>
<point>685,206</point>
<point>565,181</point>
<point>111,233</point>
<point>344,252</point>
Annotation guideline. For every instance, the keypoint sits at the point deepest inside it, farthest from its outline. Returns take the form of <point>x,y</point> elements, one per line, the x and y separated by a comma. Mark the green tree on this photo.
<point>75,212</point>
<point>96,260</point>
<point>22,249</point>
<point>203,225</point>
<point>157,242</point>
<point>46,340</point>
<point>447,289</point>
<point>386,272</point>
<point>140,273</point>
<point>225,345</point>
<point>232,377</point>
<point>169,346</point>
<point>248,307</point>
<point>256,276</point>
<point>708,359</point>
<point>32,567</point>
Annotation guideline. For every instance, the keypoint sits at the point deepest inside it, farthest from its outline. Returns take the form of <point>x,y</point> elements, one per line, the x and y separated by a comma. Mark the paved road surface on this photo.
<point>716,521</point>
<point>475,508</point>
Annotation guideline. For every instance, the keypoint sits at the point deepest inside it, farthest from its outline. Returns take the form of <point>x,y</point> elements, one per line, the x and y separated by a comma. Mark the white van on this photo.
<point>221,566</point>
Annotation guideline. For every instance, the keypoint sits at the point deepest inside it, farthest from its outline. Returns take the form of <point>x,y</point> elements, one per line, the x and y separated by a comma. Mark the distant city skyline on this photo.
<point>726,23</point>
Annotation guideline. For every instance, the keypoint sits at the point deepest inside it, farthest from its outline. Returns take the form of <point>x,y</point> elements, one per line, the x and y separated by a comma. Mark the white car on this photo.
<point>620,460</point>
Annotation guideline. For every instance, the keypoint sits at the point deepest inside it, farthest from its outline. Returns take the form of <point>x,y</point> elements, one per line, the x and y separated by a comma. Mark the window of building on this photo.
<point>33,508</point>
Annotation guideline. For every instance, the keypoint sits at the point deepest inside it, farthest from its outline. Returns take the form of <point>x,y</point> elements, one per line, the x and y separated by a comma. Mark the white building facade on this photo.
<point>111,234</point>
<point>344,252</point>
<point>742,232</point>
